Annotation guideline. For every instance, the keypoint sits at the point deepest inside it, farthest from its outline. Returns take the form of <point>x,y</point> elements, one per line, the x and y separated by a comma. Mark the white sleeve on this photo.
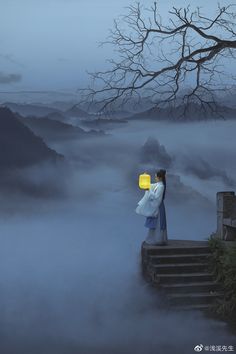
<point>156,193</point>
<point>143,198</point>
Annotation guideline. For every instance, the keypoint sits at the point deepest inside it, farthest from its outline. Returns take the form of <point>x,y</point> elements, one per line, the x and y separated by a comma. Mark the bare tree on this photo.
<point>171,63</point>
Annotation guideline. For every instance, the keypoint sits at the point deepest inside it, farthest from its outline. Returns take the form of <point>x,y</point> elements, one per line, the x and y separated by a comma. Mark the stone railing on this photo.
<point>226,215</point>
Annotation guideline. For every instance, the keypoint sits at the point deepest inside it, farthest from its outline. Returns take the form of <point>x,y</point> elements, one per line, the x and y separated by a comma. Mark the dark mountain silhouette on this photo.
<point>26,109</point>
<point>120,108</point>
<point>116,114</point>
<point>102,123</point>
<point>19,146</point>
<point>152,152</point>
<point>61,105</point>
<point>192,112</point>
<point>53,129</point>
<point>228,97</point>
<point>201,168</point>
<point>56,116</point>
<point>75,111</point>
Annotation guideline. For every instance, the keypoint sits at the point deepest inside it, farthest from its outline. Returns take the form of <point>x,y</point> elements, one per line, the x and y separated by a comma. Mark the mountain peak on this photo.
<point>19,146</point>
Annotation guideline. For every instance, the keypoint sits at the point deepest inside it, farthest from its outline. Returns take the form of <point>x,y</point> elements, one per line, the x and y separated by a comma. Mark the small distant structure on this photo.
<point>226,215</point>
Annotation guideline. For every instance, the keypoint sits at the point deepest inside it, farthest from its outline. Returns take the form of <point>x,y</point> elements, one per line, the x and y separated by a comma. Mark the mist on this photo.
<point>70,260</point>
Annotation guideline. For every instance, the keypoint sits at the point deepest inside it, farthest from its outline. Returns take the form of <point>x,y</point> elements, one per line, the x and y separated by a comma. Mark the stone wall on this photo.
<point>226,215</point>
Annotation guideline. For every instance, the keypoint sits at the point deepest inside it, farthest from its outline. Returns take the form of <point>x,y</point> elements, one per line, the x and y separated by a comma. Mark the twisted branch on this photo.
<point>173,63</point>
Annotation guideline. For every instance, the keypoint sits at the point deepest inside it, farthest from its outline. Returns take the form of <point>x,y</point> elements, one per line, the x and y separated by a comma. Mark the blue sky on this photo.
<point>51,43</point>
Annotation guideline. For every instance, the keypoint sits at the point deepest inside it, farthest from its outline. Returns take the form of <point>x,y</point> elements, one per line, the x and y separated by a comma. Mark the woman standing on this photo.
<point>152,206</point>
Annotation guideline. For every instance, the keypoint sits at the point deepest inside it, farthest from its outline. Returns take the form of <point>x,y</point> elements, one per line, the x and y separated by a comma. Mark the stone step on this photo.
<point>207,286</point>
<point>179,258</point>
<point>193,307</point>
<point>183,278</point>
<point>166,250</point>
<point>194,298</point>
<point>179,268</point>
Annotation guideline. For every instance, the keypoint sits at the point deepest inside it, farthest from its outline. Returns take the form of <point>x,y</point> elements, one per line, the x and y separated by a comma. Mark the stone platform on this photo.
<point>180,271</point>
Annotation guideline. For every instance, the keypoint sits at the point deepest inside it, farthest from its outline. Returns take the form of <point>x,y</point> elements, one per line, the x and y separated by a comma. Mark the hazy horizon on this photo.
<point>49,45</point>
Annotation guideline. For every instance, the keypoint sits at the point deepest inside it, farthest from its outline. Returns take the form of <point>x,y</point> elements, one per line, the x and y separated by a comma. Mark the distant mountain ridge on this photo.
<point>103,123</point>
<point>41,110</point>
<point>26,109</point>
<point>192,113</point>
<point>53,129</point>
<point>19,146</point>
<point>75,111</point>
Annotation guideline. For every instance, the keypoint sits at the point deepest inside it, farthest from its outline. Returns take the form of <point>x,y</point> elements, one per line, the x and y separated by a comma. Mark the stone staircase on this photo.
<point>180,271</point>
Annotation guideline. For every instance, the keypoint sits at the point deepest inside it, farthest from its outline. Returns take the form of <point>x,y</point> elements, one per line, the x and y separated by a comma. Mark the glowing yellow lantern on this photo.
<point>144,181</point>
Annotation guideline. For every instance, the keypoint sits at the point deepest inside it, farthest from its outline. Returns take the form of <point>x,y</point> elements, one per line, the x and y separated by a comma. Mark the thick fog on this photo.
<point>70,260</point>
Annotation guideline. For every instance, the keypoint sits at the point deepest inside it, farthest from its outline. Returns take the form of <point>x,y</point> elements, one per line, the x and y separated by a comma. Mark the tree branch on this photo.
<point>159,61</point>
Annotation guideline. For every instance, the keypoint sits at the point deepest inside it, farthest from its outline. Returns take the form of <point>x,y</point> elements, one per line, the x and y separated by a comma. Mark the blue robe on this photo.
<point>151,221</point>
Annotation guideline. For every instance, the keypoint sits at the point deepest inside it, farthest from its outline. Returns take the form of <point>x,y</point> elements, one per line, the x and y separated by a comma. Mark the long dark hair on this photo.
<point>162,174</point>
